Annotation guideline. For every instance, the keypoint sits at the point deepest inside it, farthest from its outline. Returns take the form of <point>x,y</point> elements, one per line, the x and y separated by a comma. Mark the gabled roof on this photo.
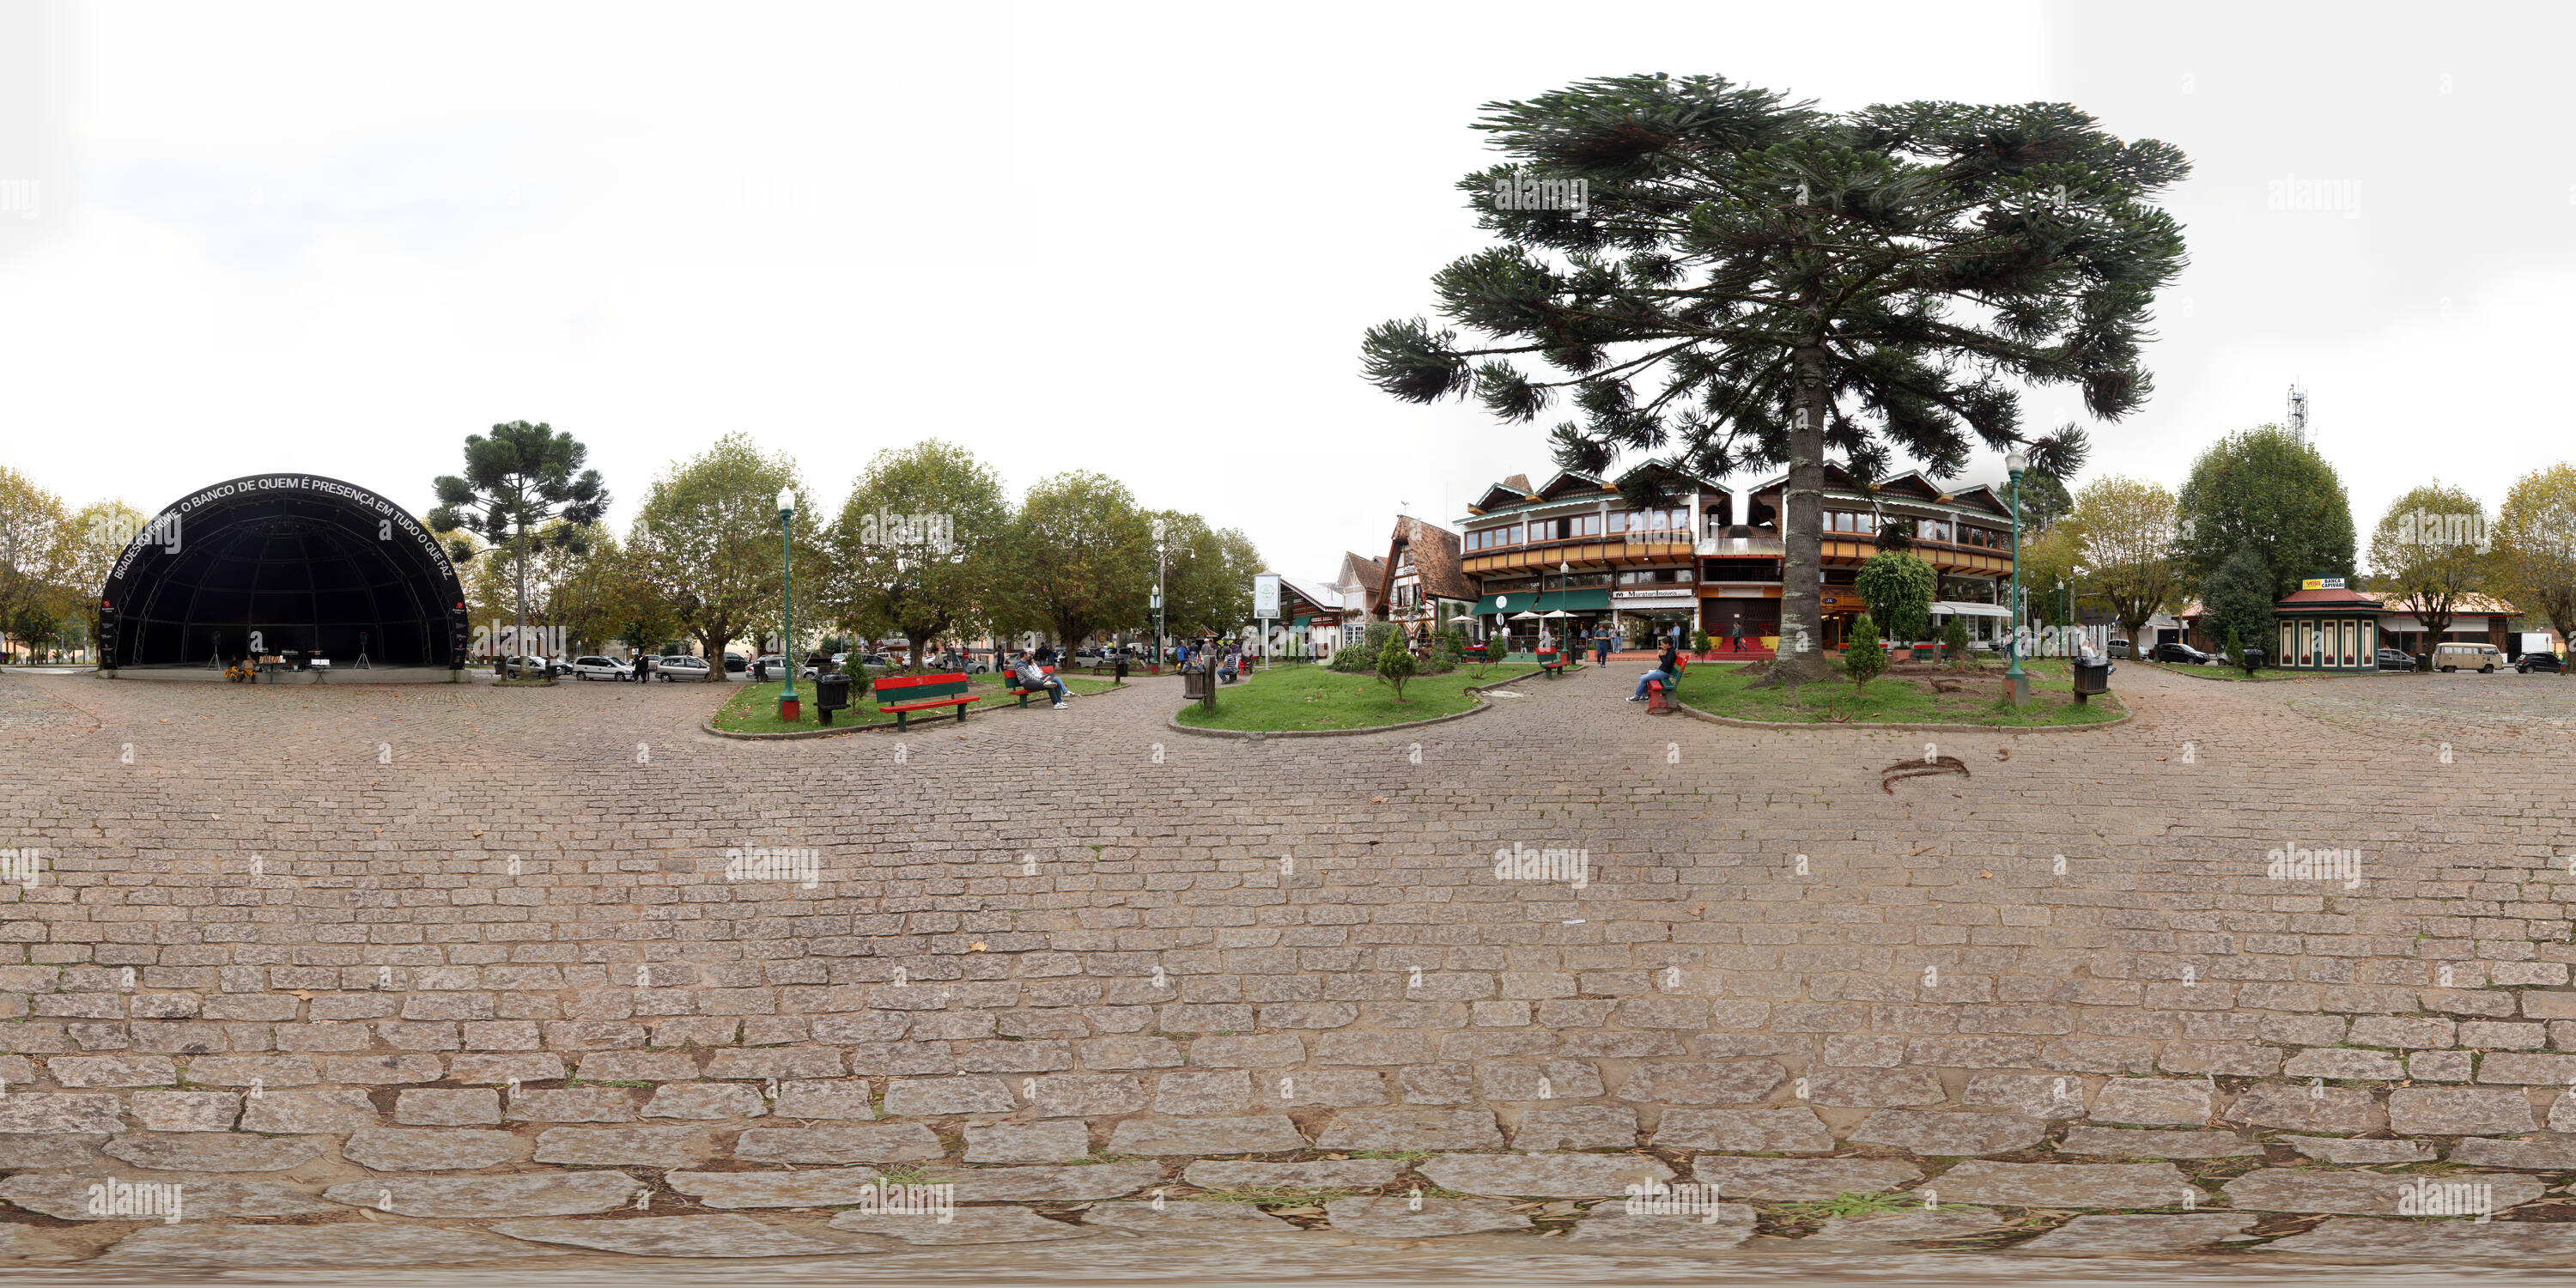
<point>1912,485</point>
<point>1320,596</point>
<point>1706,484</point>
<point>1435,558</point>
<point>2461,606</point>
<point>1981,497</point>
<point>1500,495</point>
<point>1571,483</point>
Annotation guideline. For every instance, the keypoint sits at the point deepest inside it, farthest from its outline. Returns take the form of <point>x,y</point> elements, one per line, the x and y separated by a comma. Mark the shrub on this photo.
<point>1863,659</point>
<point>1898,589</point>
<point>1701,643</point>
<point>1395,664</point>
<point>1955,639</point>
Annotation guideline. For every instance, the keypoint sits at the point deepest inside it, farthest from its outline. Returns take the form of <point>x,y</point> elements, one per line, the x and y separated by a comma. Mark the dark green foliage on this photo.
<point>1395,663</point>
<point>2266,491</point>
<point>2236,603</point>
<point>1863,659</point>
<point>1898,589</point>
<point>1954,638</point>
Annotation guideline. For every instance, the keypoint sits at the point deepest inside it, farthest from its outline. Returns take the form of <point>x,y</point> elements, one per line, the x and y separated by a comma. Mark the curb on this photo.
<point>1260,735</point>
<point>709,725</point>
<point>1810,726</point>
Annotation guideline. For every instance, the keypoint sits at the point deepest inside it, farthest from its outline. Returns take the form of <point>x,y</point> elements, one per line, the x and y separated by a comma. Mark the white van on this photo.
<point>2459,655</point>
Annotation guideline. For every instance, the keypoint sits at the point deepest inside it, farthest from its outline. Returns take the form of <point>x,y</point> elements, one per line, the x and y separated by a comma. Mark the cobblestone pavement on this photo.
<point>457,975</point>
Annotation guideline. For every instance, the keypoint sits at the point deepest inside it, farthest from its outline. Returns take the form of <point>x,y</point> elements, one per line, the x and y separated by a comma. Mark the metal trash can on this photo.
<point>1194,683</point>
<point>831,693</point>
<point>2253,659</point>
<point>2091,677</point>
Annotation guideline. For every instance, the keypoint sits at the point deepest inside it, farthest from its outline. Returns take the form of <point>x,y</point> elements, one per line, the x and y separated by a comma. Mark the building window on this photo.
<point>1583,525</point>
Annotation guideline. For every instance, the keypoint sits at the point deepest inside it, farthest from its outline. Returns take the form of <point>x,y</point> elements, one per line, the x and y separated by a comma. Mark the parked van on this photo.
<point>2482,658</point>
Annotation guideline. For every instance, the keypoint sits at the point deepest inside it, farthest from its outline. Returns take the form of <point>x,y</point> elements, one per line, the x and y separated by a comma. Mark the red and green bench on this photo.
<point>1023,694</point>
<point>909,693</point>
<point>1554,663</point>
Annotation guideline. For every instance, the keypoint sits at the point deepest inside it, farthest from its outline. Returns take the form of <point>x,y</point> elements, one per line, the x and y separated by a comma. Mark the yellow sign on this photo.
<point>2322,583</point>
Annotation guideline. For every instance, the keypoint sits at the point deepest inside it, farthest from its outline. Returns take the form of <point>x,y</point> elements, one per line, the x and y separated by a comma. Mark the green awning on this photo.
<point>1299,623</point>
<point>1521,599</point>
<point>1593,600</point>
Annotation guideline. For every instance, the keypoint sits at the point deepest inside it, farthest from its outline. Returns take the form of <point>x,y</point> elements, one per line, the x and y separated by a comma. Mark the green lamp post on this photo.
<point>2015,464</point>
<point>787,601</point>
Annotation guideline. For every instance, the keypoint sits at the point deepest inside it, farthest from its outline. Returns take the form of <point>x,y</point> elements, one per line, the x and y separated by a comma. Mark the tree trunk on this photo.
<point>1802,631</point>
<point>519,642</point>
<point>713,640</point>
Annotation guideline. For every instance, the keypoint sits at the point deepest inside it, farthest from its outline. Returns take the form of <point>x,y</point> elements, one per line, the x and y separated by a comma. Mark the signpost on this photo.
<point>1265,607</point>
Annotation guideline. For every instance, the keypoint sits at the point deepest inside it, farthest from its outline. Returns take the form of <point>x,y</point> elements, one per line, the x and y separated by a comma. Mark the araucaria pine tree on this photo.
<point>523,487</point>
<point>1738,282</point>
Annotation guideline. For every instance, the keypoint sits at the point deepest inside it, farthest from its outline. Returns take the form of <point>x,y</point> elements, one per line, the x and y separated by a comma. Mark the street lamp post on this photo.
<point>787,601</point>
<point>1161,566</point>
<point>2014,465</point>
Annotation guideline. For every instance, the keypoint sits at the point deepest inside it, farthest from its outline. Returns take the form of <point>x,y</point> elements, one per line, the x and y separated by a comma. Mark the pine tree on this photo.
<point>1863,659</point>
<point>1741,282</point>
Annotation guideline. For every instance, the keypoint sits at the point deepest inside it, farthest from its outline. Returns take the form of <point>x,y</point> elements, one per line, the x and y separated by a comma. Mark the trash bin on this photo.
<point>2253,659</point>
<point>831,693</point>
<point>2091,677</point>
<point>1194,683</point>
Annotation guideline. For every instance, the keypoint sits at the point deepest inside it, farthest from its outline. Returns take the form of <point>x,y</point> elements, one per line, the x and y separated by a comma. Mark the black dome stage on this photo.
<point>290,562</point>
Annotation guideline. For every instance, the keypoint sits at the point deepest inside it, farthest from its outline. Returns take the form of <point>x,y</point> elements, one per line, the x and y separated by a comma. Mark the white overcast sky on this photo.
<point>1138,239</point>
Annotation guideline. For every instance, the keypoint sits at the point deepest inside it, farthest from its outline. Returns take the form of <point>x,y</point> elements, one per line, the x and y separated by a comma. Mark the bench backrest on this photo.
<point>1545,658</point>
<point>920,688</point>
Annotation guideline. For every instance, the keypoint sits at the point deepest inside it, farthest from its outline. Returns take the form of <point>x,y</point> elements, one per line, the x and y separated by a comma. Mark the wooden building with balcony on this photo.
<point>1574,545</point>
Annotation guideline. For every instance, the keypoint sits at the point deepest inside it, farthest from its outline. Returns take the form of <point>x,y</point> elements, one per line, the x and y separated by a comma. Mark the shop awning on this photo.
<point>1490,604</point>
<point>1298,623</point>
<point>1593,600</point>
<point>1962,608</point>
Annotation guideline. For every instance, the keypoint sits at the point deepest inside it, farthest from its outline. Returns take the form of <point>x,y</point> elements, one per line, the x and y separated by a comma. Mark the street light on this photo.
<point>787,602</point>
<point>2015,464</point>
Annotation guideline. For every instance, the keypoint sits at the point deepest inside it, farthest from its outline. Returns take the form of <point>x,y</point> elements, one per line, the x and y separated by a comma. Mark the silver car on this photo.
<point>676,669</point>
<point>599,668</point>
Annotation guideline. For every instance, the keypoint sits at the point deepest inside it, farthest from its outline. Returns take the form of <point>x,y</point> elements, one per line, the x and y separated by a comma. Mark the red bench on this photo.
<point>920,692</point>
<point>1658,703</point>
<point>1023,694</point>
<point>1553,662</point>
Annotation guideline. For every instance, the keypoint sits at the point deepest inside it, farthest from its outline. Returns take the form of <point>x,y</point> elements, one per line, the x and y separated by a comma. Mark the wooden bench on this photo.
<point>921,692</point>
<point>1023,694</point>
<point>1658,703</point>
<point>1555,663</point>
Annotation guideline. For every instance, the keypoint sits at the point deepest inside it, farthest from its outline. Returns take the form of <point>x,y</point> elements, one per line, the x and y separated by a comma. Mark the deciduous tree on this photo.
<point>706,542</point>
<point>918,547</point>
<point>2429,552</point>
<point>2125,527</point>
<point>2265,489</point>
<point>2535,546</point>
<point>1082,556</point>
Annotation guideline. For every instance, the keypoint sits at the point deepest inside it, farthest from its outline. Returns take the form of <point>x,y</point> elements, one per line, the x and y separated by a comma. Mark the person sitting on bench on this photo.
<point>1666,667</point>
<point>1033,679</point>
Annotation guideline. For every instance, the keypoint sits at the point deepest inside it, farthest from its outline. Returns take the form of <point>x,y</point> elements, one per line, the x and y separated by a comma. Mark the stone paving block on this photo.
<point>836,1098</point>
<point>49,1112</point>
<point>1615,1228</point>
<point>706,1101</point>
<point>2036,1095</point>
<point>82,1071</point>
<point>1247,1051</point>
<point>638,1066</point>
<point>68,1198</point>
<point>1554,1079</point>
<point>2281,1189</point>
<point>434,1107</point>
<point>216,1151</point>
<point>1900,1227</point>
<point>1577,1127</point>
<point>1793,1130</point>
<point>2153,1102</point>
<point>1327,1174</point>
<point>397,1149</point>
<point>719,1235</point>
<point>486,1197</point>
<point>50,1153</point>
<point>1877,1088</point>
<point>2364,1239</point>
<point>2066,1185</point>
<point>1260,1134</point>
<point>1412,1129</point>
<point>2528,1070</point>
<point>2151,1143</point>
<point>777,1062</point>
<point>335,1247</point>
<point>2343,1062</point>
<point>963,1225</point>
<point>309,1112</point>
<point>2335,1149</point>
<point>1059,1184</point>
<point>1214,1091</point>
<point>2459,1111</point>
<point>626,1146</point>
<point>965,1094</point>
<point>2093,1236</point>
<point>184,1110</point>
<point>2311,1108</point>
<point>876,1143</point>
<point>1086,1095</point>
<point>1940,1134</point>
<point>570,1105</point>
<point>2438,1066</point>
<point>499,1069</point>
<point>817,1187</point>
<point>1687,1082</point>
<point>1397,1218</point>
<point>1054,1141</point>
<point>1556,1176</point>
<point>1337,1088</point>
<point>1784,1180</point>
<point>1186,1219</point>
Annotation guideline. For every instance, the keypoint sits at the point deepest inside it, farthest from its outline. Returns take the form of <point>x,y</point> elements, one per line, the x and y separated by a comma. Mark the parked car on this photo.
<point>736,662</point>
<point>525,668</point>
<point>2540,661</point>
<point>877,660</point>
<point>599,668</point>
<point>678,668</point>
<point>2396,659</point>
<point>2481,658</point>
<point>2177,651</point>
<point>2119,648</point>
<point>767,665</point>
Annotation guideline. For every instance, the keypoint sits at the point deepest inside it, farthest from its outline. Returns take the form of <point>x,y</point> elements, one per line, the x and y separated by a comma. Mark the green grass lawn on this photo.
<point>1899,699</point>
<point>1314,697</point>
